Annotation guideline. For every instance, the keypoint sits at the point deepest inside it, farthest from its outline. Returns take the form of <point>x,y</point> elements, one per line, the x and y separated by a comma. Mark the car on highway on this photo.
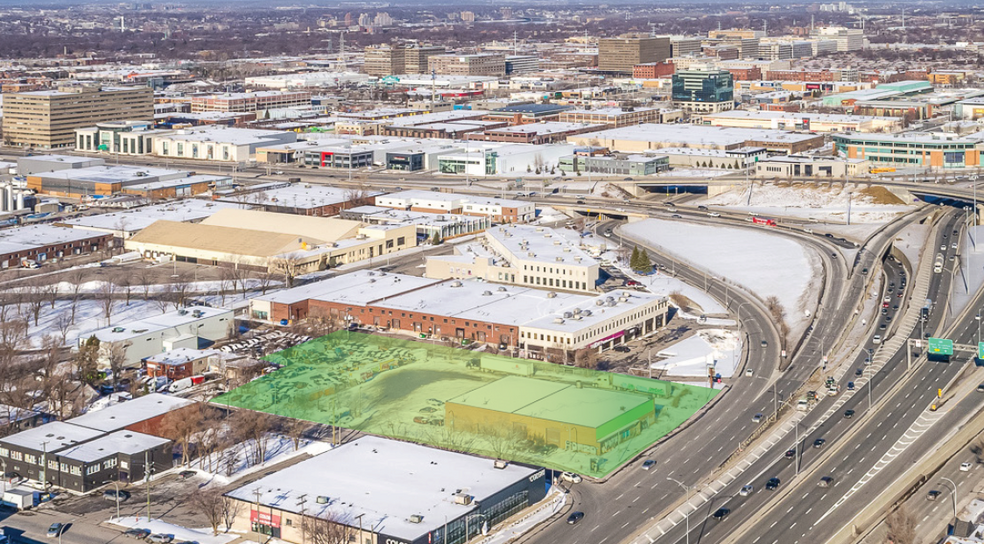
<point>980,388</point>
<point>702,207</point>
<point>932,495</point>
<point>848,414</point>
<point>671,209</point>
<point>765,344</point>
<point>826,481</point>
<point>608,233</point>
<point>757,418</point>
<point>965,467</point>
<point>772,484</point>
<point>574,518</point>
<point>943,247</point>
<point>713,214</point>
<point>720,514</point>
<point>888,319</point>
<point>850,386</point>
<point>882,326</point>
<point>746,490</point>
<point>748,373</point>
<point>953,245</point>
<point>818,443</point>
<point>279,173</point>
<point>56,529</point>
<point>648,464</point>
<point>571,477</point>
<point>859,372</point>
<point>137,533</point>
<point>790,453</point>
<point>876,339</point>
<point>676,216</point>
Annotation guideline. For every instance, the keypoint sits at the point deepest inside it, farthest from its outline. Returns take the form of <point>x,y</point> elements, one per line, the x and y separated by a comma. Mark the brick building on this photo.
<point>42,242</point>
<point>653,70</point>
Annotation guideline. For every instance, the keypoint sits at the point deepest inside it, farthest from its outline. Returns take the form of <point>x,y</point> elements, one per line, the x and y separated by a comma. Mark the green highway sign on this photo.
<point>941,346</point>
<point>980,350</point>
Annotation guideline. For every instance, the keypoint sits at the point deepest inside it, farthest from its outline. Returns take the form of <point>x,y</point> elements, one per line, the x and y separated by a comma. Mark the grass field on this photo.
<point>400,388</point>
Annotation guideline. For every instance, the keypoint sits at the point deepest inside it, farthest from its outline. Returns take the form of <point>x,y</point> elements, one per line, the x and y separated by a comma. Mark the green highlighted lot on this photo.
<point>544,414</point>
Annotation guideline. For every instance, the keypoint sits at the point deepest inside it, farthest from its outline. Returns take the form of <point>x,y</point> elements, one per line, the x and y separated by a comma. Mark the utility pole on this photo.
<point>687,514</point>
<point>302,502</point>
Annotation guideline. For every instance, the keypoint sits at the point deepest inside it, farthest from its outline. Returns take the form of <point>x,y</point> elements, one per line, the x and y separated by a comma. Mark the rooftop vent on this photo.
<point>500,464</point>
<point>501,289</point>
<point>416,518</point>
<point>551,294</point>
<point>568,315</point>
<point>486,293</point>
<point>586,313</point>
<point>456,284</point>
<point>463,498</point>
<point>559,320</point>
<point>322,499</point>
<point>559,259</point>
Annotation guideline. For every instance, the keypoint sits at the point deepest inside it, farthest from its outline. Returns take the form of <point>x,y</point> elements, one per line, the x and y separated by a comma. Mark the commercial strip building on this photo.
<point>615,163</point>
<point>815,122</point>
<point>108,180</point>
<point>49,118</point>
<point>642,138</point>
<point>118,137</point>
<point>120,443</point>
<point>535,319</point>
<point>929,150</point>
<point>803,166</point>
<point>500,210</point>
<point>271,242</point>
<point>535,133</point>
<point>39,243</point>
<point>299,198</point>
<point>388,491</point>
<point>615,117</point>
<point>521,255</point>
<point>445,226</point>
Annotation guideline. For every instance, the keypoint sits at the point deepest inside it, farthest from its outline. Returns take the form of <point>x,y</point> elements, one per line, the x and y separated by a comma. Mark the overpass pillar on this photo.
<point>633,189</point>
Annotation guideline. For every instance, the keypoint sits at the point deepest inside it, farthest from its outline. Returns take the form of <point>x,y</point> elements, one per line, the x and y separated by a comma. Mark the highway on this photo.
<point>873,436</point>
<point>631,498</point>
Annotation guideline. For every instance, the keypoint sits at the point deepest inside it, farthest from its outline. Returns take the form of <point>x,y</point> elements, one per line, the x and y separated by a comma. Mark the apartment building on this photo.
<point>49,118</point>
<point>481,64</point>
<point>653,70</point>
<point>622,54</point>
<point>250,102</point>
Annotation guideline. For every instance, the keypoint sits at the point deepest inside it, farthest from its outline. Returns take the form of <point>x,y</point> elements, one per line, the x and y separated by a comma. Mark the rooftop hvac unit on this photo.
<point>322,499</point>
<point>586,313</point>
<point>500,464</point>
<point>568,315</point>
<point>530,254</point>
<point>559,320</point>
<point>567,250</point>
<point>559,259</point>
<point>539,229</point>
<point>599,302</point>
<point>611,303</point>
<point>556,242</point>
<point>551,294</point>
<point>463,498</point>
<point>623,299</point>
<point>456,284</point>
<point>626,294</point>
<point>501,289</point>
<point>486,293</point>
<point>577,259</point>
<point>416,518</point>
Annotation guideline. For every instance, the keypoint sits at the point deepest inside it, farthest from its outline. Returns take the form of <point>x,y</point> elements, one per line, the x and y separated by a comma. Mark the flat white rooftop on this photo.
<point>135,219</point>
<point>698,134</point>
<point>139,409</point>
<point>53,436</point>
<point>29,237</point>
<point>539,244</point>
<point>163,322</point>
<point>387,481</point>
<point>126,442</point>
<point>357,288</point>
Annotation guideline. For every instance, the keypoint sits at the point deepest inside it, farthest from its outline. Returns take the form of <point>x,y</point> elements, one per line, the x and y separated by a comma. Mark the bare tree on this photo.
<point>359,195</point>
<point>76,279</point>
<point>501,439</point>
<point>295,430</point>
<point>124,281</point>
<point>107,293</point>
<point>778,314</point>
<point>288,264</point>
<point>211,504</point>
<point>586,358</point>
<point>901,526</point>
<point>35,297</point>
<point>145,279</point>
<point>230,510</point>
<point>164,296</point>
<point>116,355</point>
<point>327,528</point>
<point>180,426</point>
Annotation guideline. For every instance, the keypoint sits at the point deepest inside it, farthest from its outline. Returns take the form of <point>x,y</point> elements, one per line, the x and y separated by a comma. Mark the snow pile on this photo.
<point>548,214</point>
<point>279,448</point>
<point>824,203</point>
<point>156,526</point>
<point>765,264</point>
<point>718,348</point>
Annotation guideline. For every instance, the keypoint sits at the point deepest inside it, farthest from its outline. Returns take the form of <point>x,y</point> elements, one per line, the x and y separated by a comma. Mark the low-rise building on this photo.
<point>522,114</point>
<point>113,179</point>
<point>300,198</point>
<point>218,143</point>
<point>444,226</point>
<point>374,488</point>
<point>536,133</point>
<point>932,150</point>
<point>615,117</point>
<point>250,102</point>
<point>815,122</point>
<point>620,164</point>
<point>38,243</point>
<point>179,363</point>
<point>808,166</point>
<point>500,210</point>
<point>642,138</point>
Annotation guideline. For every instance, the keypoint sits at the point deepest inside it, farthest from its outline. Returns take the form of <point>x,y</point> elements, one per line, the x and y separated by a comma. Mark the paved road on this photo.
<point>32,527</point>
<point>816,513</point>
<point>626,503</point>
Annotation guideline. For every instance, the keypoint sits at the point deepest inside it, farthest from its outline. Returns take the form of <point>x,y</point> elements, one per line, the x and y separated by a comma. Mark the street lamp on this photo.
<point>953,497</point>
<point>978,318</point>
<point>117,484</point>
<point>687,514</point>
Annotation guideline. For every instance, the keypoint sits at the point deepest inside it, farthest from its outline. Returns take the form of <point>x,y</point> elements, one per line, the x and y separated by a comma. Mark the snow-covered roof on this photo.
<point>581,315</point>
<point>126,442</point>
<point>53,436</point>
<point>20,239</point>
<point>386,480</point>
<point>142,327</point>
<point>357,288</point>
<point>180,356</point>
<point>539,244</point>
<point>134,411</point>
<point>699,134</point>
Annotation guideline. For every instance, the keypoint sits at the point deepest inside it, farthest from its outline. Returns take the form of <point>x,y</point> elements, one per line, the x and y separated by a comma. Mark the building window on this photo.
<point>31,459</point>
<point>4,452</point>
<point>91,469</point>
<point>109,463</point>
<point>75,471</point>
<point>17,456</point>
<point>52,464</point>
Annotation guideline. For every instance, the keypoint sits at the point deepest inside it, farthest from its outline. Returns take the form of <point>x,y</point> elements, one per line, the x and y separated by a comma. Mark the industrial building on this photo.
<point>38,243</point>
<point>500,210</point>
<point>382,490</point>
<point>615,117</point>
<point>521,255</point>
<point>113,179</point>
<point>587,420</point>
<point>444,226</point>
<point>124,224</point>
<point>814,122</point>
<point>217,143</point>
<point>49,118</point>
<point>642,138</point>
<point>299,198</point>
<point>189,327</point>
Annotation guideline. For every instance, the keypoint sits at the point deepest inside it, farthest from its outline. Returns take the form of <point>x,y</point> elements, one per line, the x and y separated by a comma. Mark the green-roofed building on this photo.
<point>567,416</point>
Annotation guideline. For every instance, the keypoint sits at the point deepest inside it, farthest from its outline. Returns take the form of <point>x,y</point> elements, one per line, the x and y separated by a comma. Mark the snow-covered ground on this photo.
<point>823,202</point>
<point>202,536</point>
<point>763,263</point>
<point>547,214</point>
<point>279,448</point>
<point>971,274</point>
<point>718,348</point>
<point>911,240</point>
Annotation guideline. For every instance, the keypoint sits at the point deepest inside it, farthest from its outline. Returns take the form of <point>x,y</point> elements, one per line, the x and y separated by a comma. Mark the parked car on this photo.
<point>621,349</point>
<point>185,474</point>
<point>56,529</point>
<point>575,517</point>
<point>137,532</point>
<point>112,495</point>
<point>571,477</point>
<point>160,538</point>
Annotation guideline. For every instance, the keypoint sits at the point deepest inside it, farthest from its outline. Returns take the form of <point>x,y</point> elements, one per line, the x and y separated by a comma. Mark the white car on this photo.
<point>279,173</point>
<point>964,467</point>
<point>571,477</point>
<point>876,339</point>
<point>748,372</point>
<point>746,490</point>
<point>713,214</point>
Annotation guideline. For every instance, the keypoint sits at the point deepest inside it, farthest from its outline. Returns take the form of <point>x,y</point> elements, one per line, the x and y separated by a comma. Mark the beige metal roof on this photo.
<point>229,240</point>
<point>328,229</point>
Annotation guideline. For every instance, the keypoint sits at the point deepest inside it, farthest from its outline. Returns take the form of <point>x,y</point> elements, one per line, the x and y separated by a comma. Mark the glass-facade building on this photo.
<point>915,150</point>
<point>703,90</point>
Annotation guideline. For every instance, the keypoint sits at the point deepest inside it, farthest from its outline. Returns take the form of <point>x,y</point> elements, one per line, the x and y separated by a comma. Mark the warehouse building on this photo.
<point>108,180</point>
<point>499,209</point>
<point>385,491</point>
<point>216,143</point>
<point>587,420</point>
<point>815,122</point>
<point>38,243</point>
<point>641,138</point>
<point>300,198</point>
